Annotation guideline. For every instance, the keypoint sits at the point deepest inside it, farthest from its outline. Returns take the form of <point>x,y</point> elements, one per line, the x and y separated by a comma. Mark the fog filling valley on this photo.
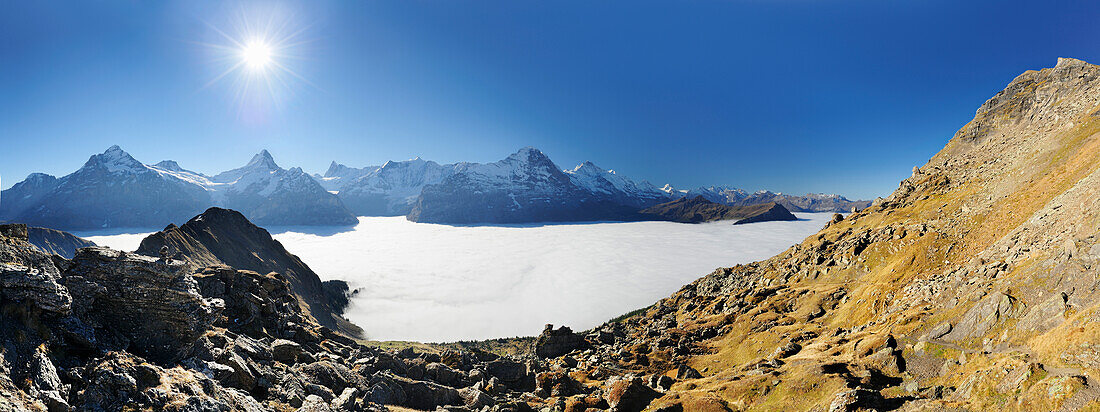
<point>440,283</point>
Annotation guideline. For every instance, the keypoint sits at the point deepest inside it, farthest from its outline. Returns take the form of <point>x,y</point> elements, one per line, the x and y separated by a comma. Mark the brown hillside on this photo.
<point>973,286</point>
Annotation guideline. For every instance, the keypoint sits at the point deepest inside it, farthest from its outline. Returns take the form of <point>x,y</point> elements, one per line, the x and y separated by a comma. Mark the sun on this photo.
<point>256,55</point>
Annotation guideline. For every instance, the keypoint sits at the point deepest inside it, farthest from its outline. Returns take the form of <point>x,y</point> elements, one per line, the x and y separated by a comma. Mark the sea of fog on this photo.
<point>437,283</point>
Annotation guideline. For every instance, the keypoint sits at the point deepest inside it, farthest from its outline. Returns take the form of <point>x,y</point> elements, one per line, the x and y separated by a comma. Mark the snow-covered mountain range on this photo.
<point>115,190</point>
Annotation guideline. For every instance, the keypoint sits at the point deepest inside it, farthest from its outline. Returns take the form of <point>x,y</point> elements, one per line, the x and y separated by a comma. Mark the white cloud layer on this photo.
<point>437,283</point>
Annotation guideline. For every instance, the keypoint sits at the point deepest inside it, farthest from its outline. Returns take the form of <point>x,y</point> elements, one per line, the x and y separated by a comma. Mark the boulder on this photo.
<point>557,342</point>
<point>333,376</point>
<point>629,394</point>
<point>687,372</point>
<point>983,316</point>
<point>556,384</point>
<point>857,399</point>
<point>285,351</point>
<point>442,374</point>
<point>510,373</point>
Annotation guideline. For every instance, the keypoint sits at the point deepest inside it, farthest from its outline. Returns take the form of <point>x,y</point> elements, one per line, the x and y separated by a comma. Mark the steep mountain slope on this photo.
<point>56,242</point>
<point>971,287</point>
<point>112,189</point>
<point>225,237</point>
<point>612,187</point>
<point>699,209</point>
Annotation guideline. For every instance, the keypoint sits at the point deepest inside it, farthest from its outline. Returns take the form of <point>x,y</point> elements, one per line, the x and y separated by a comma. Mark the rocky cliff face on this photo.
<point>971,287</point>
<point>225,237</point>
<point>699,209</point>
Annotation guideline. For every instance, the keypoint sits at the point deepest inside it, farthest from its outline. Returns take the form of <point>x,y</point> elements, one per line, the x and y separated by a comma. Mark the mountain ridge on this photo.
<point>114,190</point>
<point>698,210</point>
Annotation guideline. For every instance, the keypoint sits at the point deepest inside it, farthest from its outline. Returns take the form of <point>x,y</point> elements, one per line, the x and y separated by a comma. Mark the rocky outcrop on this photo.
<point>699,210</point>
<point>553,343</point>
<point>150,306</point>
<point>225,237</point>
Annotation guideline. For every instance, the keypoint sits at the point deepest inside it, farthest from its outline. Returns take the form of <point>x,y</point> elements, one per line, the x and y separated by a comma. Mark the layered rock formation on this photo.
<point>699,209</point>
<point>225,237</point>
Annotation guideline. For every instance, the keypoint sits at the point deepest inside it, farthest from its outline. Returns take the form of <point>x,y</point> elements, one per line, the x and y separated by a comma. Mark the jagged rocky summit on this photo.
<point>225,237</point>
<point>114,190</point>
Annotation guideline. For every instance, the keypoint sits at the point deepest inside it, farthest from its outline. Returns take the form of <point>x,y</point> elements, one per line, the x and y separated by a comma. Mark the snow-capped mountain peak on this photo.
<point>263,160</point>
<point>115,160</point>
<point>262,164</point>
<point>169,165</point>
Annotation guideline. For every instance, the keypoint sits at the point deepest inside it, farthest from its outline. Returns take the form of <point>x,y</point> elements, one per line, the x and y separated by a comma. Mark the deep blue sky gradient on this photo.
<point>789,95</point>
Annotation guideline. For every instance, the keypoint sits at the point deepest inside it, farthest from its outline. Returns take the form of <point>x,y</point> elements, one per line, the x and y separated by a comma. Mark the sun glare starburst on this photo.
<point>255,53</point>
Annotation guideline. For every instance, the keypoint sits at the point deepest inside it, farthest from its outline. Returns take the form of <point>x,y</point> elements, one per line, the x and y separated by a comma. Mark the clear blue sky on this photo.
<point>788,95</point>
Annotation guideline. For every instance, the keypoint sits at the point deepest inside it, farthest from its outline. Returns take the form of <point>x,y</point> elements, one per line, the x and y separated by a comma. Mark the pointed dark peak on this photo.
<point>526,153</point>
<point>532,156</point>
<point>218,216</point>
